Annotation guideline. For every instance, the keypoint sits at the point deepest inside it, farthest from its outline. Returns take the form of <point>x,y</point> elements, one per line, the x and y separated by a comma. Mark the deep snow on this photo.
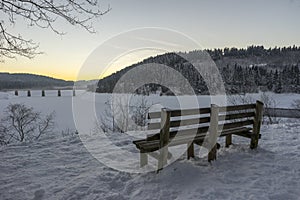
<point>60,167</point>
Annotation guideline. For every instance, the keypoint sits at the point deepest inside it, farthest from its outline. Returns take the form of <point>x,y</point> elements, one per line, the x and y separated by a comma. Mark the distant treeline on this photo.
<point>243,70</point>
<point>251,51</point>
<point>24,81</point>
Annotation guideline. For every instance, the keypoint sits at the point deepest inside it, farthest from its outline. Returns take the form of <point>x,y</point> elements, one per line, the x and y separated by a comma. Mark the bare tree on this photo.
<point>123,116</point>
<point>239,99</point>
<point>270,104</point>
<point>22,123</point>
<point>140,111</point>
<point>107,122</point>
<point>3,139</point>
<point>43,14</point>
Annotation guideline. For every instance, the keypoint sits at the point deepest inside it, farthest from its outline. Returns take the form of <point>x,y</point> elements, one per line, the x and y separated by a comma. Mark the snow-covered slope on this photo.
<point>60,167</point>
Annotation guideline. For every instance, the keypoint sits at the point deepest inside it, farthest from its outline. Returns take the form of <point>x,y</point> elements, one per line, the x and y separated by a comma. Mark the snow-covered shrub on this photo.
<point>69,132</point>
<point>123,115</point>
<point>269,105</point>
<point>22,123</point>
<point>140,111</point>
<point>240,99</point>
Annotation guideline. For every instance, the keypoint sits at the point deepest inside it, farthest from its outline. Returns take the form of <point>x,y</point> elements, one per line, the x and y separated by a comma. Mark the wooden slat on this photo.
<point>153,137</point>
<point>137,142</point>
<point>236,124</point>
<point>197,111</point>
<point>235,131</point>
<point>189,132</point>
<point>236,108</point>
<point>186,122</point>
<point>203,129</point>
<point>236,116</point>
<point>154,145</point>
<point>177,123</point>
<point>201,134</point>
<point>154,115</point>
<point>198,139</point>
<point>178,133</point>
<point>184,112</point>
<point>183,133</point>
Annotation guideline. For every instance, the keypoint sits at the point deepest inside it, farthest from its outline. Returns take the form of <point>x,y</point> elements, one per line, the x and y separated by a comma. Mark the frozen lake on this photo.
<point>63,106</point>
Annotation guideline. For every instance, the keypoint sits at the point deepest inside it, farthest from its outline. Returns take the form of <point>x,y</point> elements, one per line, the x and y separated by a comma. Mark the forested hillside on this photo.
<point>243,70</point>
<point>25,81</point>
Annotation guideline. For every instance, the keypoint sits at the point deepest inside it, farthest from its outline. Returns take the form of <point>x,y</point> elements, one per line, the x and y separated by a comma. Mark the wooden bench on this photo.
<point>200,126</point>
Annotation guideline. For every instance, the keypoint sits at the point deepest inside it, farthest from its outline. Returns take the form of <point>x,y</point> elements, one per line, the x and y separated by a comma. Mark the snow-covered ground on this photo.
<point>61,167</point>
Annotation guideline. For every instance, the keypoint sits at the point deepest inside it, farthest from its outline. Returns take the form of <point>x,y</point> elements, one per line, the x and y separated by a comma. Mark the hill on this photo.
<point>243,70</point>
<point>26,81</point>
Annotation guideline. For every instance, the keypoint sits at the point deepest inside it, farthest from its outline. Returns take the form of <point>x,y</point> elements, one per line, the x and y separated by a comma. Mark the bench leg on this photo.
<point>190,150</point>
<point>254,142</point>
<point>228,141</point>
<point>163,158</point>
<point>212,155</point>
<point>143,159</point>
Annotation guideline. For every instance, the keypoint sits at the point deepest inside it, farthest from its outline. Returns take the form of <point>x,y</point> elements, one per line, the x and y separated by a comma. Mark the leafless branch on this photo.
<point>46,125</point>
<point>43,14</point>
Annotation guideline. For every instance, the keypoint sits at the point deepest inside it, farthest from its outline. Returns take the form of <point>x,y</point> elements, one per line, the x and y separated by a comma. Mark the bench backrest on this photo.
<point>200,120</point>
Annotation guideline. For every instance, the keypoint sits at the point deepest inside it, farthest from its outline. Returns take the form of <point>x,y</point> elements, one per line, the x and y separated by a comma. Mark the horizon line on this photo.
<point>91,79</point>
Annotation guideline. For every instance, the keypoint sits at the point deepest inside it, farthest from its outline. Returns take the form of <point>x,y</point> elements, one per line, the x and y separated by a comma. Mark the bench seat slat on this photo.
<point>203,129</point>
<point>154,145</point>
<point>199,138</point>
<point>192,134</point>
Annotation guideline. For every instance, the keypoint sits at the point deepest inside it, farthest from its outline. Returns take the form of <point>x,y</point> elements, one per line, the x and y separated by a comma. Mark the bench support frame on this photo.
<point>210,141</point>
<point>257,124</point>
<point>164,138</point>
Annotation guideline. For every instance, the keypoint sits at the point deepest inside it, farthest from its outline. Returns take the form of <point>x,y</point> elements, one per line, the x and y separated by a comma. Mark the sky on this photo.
<point>210,23</point>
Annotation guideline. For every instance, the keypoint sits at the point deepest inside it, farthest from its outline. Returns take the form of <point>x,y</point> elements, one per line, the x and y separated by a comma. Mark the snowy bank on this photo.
<point>61,168</point>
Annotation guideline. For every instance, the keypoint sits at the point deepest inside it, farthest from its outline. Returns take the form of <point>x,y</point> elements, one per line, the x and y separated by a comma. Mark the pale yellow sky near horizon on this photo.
<point>211,23</point>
